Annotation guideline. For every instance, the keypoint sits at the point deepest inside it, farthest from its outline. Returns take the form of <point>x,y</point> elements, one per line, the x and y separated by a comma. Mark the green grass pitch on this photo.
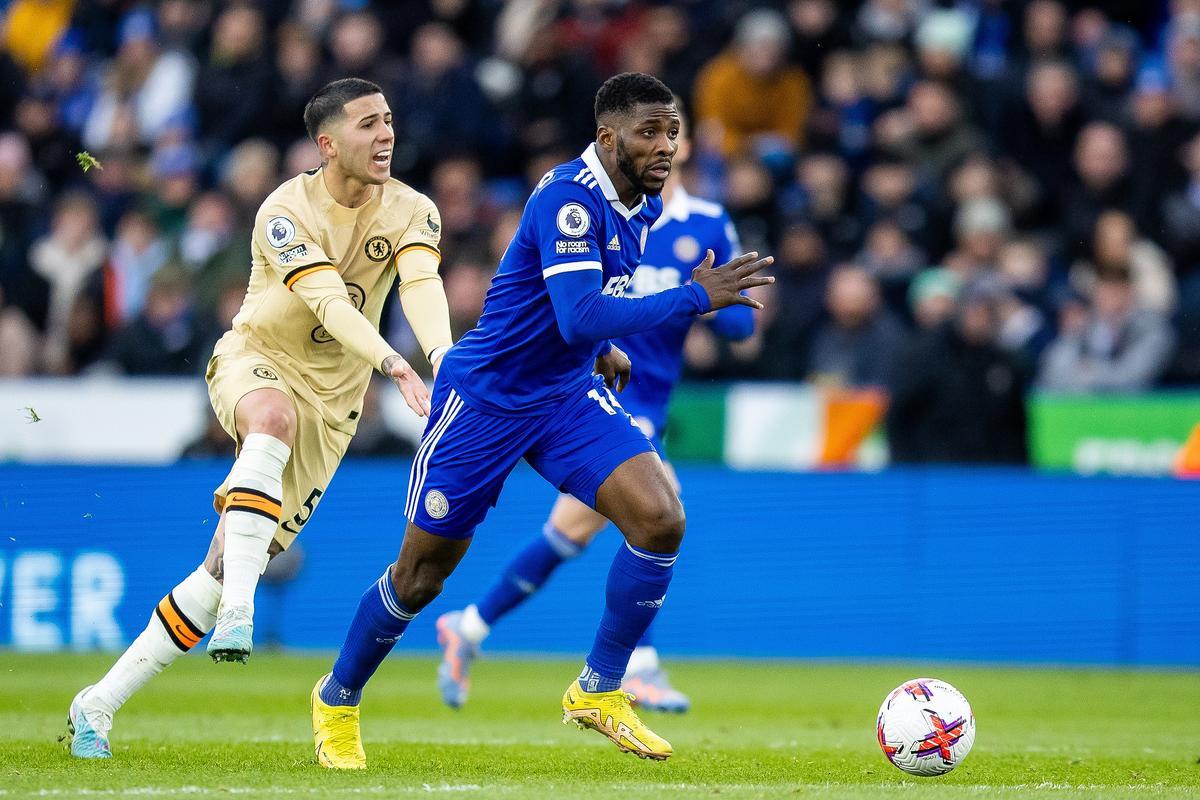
<point>759,729</point>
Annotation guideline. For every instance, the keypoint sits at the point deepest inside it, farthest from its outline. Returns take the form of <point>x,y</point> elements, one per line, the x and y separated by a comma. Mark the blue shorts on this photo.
<point>466,454</point>
<point>650,417</point>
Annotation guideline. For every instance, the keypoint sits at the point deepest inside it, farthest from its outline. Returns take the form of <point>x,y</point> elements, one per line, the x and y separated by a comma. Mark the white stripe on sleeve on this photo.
<point>570,266</point>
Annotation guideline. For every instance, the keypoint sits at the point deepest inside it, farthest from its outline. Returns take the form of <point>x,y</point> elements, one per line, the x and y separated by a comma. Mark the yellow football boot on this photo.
<point>611,714</point>
<point>335,729</point>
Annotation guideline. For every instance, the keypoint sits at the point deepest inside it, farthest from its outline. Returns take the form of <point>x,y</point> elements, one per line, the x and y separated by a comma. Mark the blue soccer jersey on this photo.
<point>677,243</point>
<point>517,359</point>
<point>520,385</point>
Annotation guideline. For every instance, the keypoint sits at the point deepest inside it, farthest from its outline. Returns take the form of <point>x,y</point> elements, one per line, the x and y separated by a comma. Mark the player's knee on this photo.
<point>417,587</point>
<point>275,420</point>
<point>663,526</point>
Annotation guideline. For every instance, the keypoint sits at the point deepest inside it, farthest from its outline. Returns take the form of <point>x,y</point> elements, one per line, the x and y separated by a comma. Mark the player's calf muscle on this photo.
<point>424,563</point>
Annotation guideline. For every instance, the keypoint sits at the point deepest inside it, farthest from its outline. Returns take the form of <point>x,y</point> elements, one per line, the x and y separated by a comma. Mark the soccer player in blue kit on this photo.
<point>521,385</point>
<point>688,226</point>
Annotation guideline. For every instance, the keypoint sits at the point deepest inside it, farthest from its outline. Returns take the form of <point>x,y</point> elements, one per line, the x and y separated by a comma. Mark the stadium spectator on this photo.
<point>18,342</point>
<point>145,89</point>
<point>750,200</point>
<point>890,192</point>
<point>1158,136</point>
<point>1181,223</point>
<point>958,397</point>
<point>888,20</point>
<point>931,297</point>
<point>165,338</point>
<point>235,84</point>
<point>749,99</point>
<point>31,28</point>
<point>21,197</point>
<point>1107,87</point>
<point>356,45</point>
<point>1183,60</point>
<point>443,108</point>
<point>817,30</point>
<point>1119,347</point>
<point>1026,310</point>
<point>69,260</point>
<point>796,304</point>
<point>138,252</point>
<point>981,227</point>
<point>988,137</point>
<point>823,196</point>
<point>1102,182</point>
<point>1040,135</point>
<point>297,76</point>
<point>52,147</point>
<point>857,347</point>
<point>458,194</point>
<point>1116,245</point>
<point>250,174</point>
<point>931,132</point>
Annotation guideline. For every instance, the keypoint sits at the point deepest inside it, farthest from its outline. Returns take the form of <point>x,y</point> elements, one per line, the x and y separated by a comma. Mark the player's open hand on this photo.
<point>614,367</point>
<point>409,383</point>
<point>725,284</point>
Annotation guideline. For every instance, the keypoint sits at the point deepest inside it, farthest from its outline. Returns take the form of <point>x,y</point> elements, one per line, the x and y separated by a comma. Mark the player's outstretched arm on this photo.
<point>724,284</point>
<point>423,299</point>
<point>324,292</point>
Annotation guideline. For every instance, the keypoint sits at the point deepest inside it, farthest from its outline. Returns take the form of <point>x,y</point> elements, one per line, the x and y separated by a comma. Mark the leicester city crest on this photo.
<point>436,504</point>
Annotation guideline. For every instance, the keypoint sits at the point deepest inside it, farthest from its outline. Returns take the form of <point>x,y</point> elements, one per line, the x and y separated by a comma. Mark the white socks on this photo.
<point>643,659</point>
<point>179,621</point>
<point>252,509</point>
<point>472,626</point>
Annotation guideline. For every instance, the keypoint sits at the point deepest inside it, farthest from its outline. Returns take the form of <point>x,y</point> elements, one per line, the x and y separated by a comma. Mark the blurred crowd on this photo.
<point>966,199</point>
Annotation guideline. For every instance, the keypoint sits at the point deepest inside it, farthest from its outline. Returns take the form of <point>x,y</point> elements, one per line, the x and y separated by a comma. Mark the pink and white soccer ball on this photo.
<point>925,727</point>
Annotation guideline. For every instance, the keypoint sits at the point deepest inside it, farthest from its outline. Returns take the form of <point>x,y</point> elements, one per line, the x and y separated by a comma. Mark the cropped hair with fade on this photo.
<point>621,93</point>
<point>327,103</point>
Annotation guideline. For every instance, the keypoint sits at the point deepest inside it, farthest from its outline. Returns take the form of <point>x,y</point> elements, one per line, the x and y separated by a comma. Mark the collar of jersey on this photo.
<point>606,185</point>
<point>339,213</point>
<point>677,210</point>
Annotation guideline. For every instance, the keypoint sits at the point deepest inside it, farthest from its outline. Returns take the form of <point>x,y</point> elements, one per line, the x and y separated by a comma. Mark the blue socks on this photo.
<point>526,573</point>
<point>377,626</point>
<point>637,586</point>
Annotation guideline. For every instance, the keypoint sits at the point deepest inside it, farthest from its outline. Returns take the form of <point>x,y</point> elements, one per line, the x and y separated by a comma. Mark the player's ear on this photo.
<point>326,146</point>
<point>606,137</point>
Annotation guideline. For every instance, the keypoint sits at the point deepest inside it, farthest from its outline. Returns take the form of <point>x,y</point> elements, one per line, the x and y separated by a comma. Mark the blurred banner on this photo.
<point>973,565</point>
<point>777,426</point>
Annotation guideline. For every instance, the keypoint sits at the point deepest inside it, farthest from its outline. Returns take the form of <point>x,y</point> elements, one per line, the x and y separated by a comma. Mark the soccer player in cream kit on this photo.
<point>287,382</point>
<point>532,380</point>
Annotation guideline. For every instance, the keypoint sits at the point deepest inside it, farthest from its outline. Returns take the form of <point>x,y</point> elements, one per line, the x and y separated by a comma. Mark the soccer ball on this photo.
<point>925,727</point>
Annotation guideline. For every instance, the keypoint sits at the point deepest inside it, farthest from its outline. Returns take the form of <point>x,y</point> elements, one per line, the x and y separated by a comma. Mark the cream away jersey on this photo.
<point>301,230</point>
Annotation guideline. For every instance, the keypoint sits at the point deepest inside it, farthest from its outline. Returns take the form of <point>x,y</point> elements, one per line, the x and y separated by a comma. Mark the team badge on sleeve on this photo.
<point>378,248</point>
<point>280,231</point>
<point>573,220</point>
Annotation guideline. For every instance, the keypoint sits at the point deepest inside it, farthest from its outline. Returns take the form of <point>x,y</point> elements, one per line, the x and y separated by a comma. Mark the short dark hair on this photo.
<point>621,93</point>
<point>327,103</point>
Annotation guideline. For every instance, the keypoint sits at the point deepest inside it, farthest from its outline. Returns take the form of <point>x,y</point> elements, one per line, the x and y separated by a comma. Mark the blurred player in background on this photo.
<point>521,385</point>
<point>287,382</point>
<point>688,226</point>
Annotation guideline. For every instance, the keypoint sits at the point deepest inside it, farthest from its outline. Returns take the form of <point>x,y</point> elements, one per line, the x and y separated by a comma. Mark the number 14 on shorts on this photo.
<point>609,403</point>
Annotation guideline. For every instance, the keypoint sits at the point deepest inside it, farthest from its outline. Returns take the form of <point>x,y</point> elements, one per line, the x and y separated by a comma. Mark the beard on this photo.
<point>625,164</point>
